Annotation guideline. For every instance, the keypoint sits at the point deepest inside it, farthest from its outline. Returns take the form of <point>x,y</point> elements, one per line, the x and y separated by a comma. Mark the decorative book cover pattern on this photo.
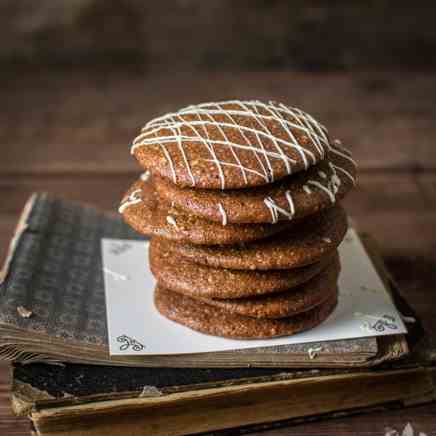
<point>56,271</point>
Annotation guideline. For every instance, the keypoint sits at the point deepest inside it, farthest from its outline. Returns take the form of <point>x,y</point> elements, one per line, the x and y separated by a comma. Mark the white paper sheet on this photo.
<point>135,326</point>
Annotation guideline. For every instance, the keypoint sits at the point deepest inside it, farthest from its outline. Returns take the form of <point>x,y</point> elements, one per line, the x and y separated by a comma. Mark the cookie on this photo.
<point>212,320</point>
<point>143,211</point>
<point>180,275</point>
<point>231,144</point>
<point>305,244</point>
<point>284,304</point>
<point>293,197</point>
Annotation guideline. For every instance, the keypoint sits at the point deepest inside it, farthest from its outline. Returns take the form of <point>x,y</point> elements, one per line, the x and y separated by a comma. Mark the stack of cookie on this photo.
<point>241,201</point>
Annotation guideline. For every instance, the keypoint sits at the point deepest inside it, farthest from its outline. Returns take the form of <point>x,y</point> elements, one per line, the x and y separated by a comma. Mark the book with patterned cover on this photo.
<point>52,303</point>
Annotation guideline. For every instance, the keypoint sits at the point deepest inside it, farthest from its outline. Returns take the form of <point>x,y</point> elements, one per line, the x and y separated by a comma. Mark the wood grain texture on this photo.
<point>10,425</point>
<point>197,34</point>
<point>84,122</point>
<point>421,418</point>
<point>69,134</point>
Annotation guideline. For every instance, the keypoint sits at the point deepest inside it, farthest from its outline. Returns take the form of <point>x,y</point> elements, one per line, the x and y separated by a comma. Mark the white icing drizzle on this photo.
<point>172,221</point>
<point>333,183</point>
<point>327,240</point>
<point>307,190</point>
<point>290,202</point>
<point>316,131</point>
<point>170,162</point>
<point>275,209</point>
<point>223,214</point>
<point>269,174</point>
<point>290,119</point>
<point>300,149</point>
<point>337,167</point>
<point>340,151</point>
<point>322,174</point>
<point>145,175</point>
<point>327,183</point>
<point>323,188</point>
<point>235,155</point>
<point>132,198</point>
<point>313,352</point>
<point>185,158</point>
<point>215,160</point>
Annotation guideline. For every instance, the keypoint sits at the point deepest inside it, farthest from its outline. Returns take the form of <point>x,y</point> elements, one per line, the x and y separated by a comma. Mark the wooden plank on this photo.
<point>421,418</point>
<point>427,185</point>
<point>102,191</point>
<point>10,425</point>
<point>83,122</point>
<point>7,225</point>
<point>197,34</point>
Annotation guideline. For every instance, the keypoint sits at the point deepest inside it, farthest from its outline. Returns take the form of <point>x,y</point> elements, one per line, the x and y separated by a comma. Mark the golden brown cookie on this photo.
<point>284,304</point>
<point>305,244</point>
<point>143,211</point>
<point>215,321</point>
<point>231,144</point>
<point>292,197</point>
<point>181,275</point>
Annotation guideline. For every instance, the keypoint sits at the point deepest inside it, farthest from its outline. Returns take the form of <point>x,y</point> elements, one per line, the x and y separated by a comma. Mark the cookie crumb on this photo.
<point>115,275</point>
<point>23,312</point>
<point>150,391</point>
<point>223,214</point>
<point>408,319</point>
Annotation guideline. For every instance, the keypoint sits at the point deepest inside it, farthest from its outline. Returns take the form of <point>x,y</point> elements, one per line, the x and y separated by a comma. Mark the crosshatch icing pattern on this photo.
<point>251,138</point>
<point>242,143</point>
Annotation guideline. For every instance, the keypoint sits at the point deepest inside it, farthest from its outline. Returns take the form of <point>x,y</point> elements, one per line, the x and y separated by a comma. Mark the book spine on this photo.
<point>20,228</point>
<point>213,409</point>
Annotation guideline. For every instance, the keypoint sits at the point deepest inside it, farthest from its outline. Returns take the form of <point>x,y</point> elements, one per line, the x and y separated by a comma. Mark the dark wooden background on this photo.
<point>78,79</point>
<point>245,34</point>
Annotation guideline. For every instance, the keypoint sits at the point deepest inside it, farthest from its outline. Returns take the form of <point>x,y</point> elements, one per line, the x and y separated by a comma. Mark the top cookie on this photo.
<point>231,144</point>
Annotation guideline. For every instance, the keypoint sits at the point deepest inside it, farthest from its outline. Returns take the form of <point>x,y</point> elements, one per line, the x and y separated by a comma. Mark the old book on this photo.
<point>54,268</point>
<point>89,400</point>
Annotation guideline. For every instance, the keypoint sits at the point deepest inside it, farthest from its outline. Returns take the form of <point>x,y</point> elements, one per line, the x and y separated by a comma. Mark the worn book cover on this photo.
<point>52,303</point>
<point>90,400</point>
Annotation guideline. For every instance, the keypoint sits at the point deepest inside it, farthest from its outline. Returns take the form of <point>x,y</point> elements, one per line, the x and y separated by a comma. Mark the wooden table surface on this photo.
<point>68,132</point>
